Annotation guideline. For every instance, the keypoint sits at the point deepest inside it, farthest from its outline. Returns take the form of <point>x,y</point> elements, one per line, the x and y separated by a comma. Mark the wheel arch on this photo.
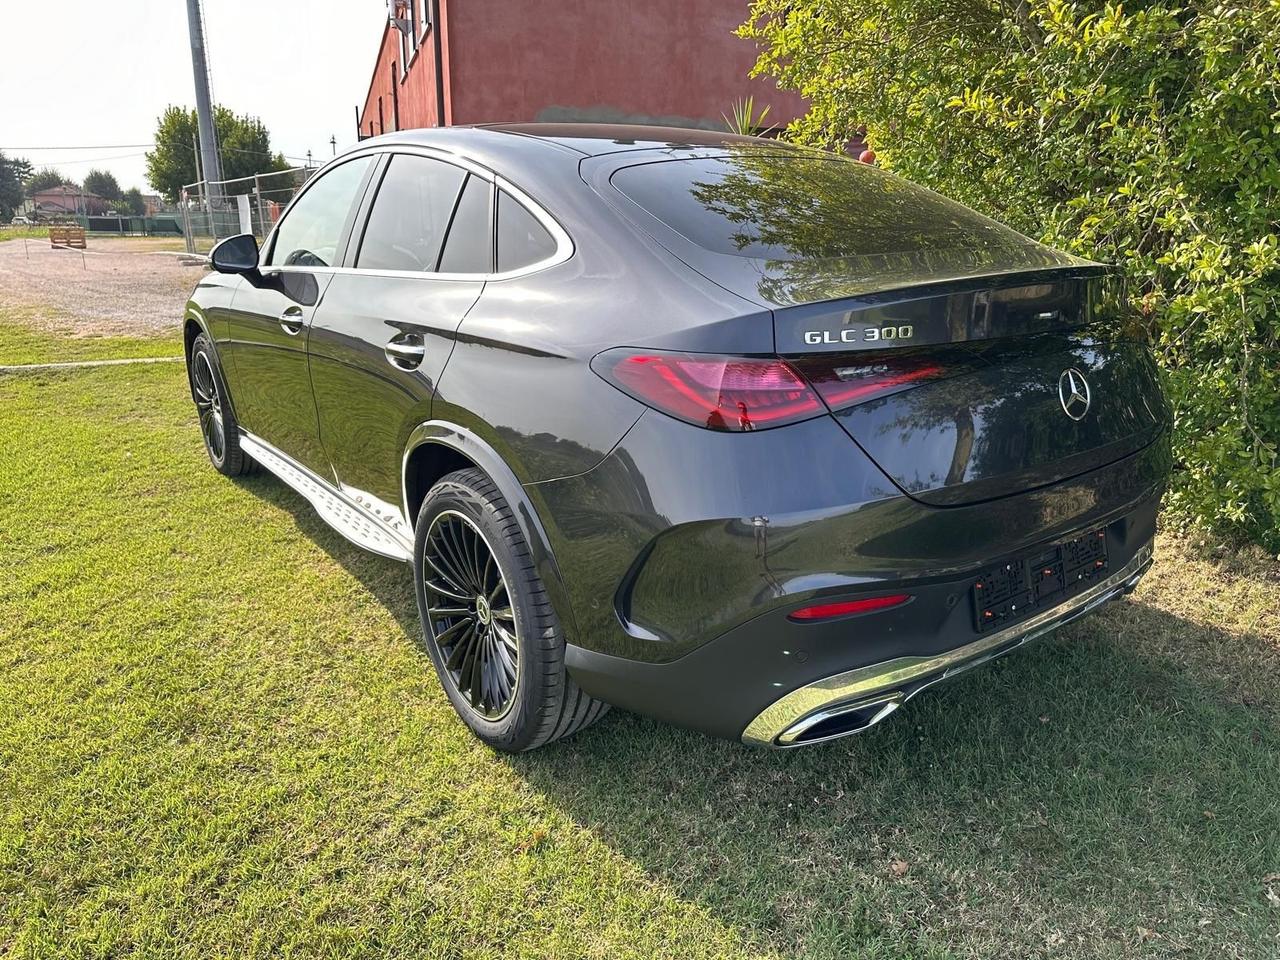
<point>436,448</point>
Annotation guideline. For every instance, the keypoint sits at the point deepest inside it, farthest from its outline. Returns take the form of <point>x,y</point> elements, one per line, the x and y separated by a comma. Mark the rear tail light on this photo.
<point>844,381</point>
<point>825,611</point>
<point>755,393</point>
<point>712,391</point>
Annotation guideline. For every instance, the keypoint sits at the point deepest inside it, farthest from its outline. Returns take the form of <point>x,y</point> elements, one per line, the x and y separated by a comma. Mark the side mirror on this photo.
<point>237,254</point>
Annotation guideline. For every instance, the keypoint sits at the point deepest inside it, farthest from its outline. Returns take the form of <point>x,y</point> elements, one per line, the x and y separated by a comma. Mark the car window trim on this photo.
<point>564,243</point>
<point>490,223</point>
<point>356,235</point>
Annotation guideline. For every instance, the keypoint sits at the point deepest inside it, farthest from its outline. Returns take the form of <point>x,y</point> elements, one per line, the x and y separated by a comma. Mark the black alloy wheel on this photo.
<point>488,625</point>
<point>209,406</point>
<point>472,618</point>
<point>218,425</point>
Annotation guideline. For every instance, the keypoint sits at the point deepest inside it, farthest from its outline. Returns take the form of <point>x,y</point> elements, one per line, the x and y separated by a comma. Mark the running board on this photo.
<point>387,536</point>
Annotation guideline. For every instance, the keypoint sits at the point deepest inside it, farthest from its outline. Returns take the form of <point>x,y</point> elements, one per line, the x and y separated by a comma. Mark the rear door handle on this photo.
<point>292,320</point>
<point>406,351</point>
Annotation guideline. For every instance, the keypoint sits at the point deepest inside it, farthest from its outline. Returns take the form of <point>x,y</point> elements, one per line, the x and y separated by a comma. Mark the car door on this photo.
<point>385,331</point>
<point>271,313</point>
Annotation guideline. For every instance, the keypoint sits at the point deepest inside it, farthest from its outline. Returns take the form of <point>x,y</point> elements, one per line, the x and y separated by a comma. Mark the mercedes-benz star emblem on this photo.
<point>1073,392</point>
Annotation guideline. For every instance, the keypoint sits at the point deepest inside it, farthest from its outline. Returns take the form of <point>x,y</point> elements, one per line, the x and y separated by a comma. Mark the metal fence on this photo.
<point>211,210</point>
<point>160,225</point>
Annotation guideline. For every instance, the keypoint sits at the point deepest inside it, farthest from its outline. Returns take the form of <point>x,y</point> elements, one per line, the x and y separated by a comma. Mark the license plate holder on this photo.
<point>1013,589</point>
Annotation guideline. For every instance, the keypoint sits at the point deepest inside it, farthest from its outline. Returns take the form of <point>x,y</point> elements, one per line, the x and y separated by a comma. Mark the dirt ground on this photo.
<point>121,286</point>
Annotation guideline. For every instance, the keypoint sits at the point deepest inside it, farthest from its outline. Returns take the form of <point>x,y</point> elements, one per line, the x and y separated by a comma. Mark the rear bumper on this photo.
<point>858,699</point>
<point>773,681</point>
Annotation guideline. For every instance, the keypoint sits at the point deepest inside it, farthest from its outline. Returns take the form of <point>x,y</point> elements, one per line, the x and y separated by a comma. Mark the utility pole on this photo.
<point>204,103</point>
<point>333,143</point>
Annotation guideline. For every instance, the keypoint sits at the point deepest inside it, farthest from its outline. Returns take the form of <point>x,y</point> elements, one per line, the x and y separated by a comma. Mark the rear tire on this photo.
<point>487,621</point>
<point>218,424</point>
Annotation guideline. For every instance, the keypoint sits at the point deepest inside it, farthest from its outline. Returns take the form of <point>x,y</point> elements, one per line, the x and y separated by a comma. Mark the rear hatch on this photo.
<point>998,390</point>
<point>968,361</point>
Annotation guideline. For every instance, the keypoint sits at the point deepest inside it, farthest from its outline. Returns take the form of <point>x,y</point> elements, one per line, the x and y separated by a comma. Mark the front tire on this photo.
<point>487,622</point>
<point>218,424</point>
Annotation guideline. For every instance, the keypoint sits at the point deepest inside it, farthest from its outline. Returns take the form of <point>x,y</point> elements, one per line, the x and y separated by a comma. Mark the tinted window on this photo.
<point>783,208</point>
<point>469,248</point>
<point>410,214</point>
<point>522,240</point>
<point>308,236</point>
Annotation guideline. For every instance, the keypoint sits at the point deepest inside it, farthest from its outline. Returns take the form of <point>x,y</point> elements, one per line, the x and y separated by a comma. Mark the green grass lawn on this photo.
<point>220,736</point>
<point>21,232</point>
<point>23,340</point>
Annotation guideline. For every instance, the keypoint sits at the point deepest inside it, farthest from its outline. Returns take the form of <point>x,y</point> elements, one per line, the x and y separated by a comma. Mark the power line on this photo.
<point>118,156</point>
<point>124,146</point>
<point>95,146</point>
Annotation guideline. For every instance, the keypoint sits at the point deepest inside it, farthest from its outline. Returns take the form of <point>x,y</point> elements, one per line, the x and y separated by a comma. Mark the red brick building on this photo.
<point>672,62</point>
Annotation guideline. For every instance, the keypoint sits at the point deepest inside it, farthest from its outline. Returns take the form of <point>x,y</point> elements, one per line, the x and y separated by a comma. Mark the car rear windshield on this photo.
<point>774,206</point>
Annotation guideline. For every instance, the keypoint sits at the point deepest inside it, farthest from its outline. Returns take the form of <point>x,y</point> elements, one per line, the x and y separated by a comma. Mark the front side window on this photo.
<point>410,215</point>
<point>522,240</point>
<point>309,234</point>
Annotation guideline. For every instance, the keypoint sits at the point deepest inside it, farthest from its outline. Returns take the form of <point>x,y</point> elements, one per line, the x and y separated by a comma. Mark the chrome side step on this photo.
<point>388,536</point>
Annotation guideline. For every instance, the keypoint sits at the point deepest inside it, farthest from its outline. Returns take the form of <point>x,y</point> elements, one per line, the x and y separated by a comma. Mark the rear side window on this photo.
<point>469,248</point>
<point>410,214</point>
<point>308,235</point>
<point>779,207</point>
<point>522,240</point>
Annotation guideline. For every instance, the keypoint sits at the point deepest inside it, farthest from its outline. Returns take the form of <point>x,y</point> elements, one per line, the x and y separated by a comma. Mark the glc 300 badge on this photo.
<point>864,335</point>
<point>1073,393</point>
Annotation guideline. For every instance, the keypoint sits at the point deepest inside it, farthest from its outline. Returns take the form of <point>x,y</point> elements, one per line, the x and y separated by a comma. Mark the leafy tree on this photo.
<point>103,183</point>
<point>43,180</point>
<point>244,142</point>
<point>12,171</point>
<point>133,203</point>
<point>1145,136</point>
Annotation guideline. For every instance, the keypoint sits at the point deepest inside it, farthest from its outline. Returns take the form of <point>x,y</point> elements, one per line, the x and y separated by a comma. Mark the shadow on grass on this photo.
<point>1084,783</point>
<point>1085,786</point>
<point>389,580</point>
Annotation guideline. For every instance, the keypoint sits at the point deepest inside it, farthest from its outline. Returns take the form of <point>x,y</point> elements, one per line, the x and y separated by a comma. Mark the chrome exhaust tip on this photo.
<point>841,720</point>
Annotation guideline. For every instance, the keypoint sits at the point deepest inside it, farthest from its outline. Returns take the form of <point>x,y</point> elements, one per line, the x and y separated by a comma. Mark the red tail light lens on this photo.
<point>825,611</point>
<point>843,381</point>
<point>716,392</point>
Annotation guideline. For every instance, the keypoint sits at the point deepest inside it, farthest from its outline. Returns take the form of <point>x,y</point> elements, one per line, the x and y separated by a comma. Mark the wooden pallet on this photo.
<point>64,235</point>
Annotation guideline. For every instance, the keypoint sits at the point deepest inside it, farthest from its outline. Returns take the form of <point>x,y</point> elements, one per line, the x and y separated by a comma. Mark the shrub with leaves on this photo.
<point>1145,136</point>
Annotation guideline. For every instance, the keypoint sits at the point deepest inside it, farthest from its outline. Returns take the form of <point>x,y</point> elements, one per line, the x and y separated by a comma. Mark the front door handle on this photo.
<point>406,351</point>
<point>292,320</point>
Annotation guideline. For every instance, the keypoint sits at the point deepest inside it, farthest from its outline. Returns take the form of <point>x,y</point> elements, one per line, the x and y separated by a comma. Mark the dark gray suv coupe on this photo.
<point>747,437</point>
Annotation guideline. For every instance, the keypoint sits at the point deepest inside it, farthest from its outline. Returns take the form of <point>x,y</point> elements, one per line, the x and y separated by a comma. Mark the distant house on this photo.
<point>672,62</point>
<point>67,200</point>
<point>154,203</point>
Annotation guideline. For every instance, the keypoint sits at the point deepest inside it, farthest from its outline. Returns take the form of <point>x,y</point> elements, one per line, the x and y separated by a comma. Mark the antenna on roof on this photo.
<point>400,15</point>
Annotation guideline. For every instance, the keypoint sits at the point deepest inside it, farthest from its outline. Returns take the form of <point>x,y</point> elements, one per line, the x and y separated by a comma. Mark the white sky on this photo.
<point>100,72</point>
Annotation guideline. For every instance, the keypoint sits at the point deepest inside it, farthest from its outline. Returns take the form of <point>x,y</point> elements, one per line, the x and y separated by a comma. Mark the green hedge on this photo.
<point>1145,136</point>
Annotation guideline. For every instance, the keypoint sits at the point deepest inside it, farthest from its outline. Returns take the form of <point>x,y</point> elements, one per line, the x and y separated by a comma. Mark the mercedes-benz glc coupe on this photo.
<point>751,438</point>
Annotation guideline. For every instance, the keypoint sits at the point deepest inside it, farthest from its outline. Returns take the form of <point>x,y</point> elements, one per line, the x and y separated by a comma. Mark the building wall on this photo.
<point>61,200</point>
<point>415,89</point>
<point>663,61</point>
<point>660,61</point>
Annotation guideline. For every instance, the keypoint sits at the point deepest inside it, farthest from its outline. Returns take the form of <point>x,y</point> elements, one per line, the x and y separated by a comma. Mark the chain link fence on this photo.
<point>212,210</point>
